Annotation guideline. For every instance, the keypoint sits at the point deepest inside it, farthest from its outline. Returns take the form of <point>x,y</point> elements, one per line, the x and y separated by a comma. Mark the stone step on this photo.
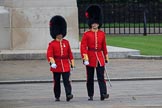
<point>114,52</point>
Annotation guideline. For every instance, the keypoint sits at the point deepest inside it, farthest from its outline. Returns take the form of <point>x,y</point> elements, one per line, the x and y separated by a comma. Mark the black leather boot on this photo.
<point>90,98</point>
<point>104,96</point>
<point>57,99</point>
<point>69,97</point>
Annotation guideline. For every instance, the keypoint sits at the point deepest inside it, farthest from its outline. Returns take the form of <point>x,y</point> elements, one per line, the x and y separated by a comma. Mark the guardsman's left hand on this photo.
<point>72,63</point>
<point>106,59</point>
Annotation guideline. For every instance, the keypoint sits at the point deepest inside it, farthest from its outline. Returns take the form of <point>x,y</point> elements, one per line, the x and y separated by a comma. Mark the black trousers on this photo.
<point>57,83</point>
<point>100,77</point>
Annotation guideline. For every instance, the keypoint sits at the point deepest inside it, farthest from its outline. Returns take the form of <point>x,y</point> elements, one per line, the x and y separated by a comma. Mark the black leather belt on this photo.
<point>61,57</point>
<point>93,49</point>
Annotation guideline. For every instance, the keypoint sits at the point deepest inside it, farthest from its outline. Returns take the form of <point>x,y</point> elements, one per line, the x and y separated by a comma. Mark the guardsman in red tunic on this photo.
<point>94,51</point>
<point>60,57</point>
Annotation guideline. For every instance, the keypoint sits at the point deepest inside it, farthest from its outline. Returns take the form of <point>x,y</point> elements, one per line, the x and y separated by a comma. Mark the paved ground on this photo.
<point>25,70</point>
<point>123,94</point>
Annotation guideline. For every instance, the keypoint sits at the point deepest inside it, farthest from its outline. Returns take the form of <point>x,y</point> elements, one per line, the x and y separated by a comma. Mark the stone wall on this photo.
<point>30,22</point>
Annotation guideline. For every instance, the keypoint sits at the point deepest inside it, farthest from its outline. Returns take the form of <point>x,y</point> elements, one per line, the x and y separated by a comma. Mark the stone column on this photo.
<point>30,22</point>
<point>5,36</point>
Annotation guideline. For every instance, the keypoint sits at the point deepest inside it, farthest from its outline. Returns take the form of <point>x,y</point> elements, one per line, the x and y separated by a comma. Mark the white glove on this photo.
<point>86,62</point>
<point>53,65</point>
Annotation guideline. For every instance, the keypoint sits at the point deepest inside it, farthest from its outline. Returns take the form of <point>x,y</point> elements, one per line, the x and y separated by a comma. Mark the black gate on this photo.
<point>126,16</point>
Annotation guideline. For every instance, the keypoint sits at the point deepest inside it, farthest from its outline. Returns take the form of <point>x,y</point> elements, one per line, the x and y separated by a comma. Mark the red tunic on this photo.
<point>94,45</point>
<point>61,52</point>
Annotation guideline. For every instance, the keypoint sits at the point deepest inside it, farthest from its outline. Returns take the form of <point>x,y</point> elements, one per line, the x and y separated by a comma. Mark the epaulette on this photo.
<point>87,31</point>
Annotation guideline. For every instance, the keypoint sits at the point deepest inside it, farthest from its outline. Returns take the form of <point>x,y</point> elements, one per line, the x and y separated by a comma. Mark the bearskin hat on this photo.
<point>94,15</point>
<point>57,26</point>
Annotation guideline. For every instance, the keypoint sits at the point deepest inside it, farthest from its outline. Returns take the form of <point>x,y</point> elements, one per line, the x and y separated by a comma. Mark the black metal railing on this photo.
<point>126,16</point>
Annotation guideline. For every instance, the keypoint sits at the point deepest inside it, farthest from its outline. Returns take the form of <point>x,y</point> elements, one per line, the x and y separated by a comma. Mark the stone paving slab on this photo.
<point>35,71</point>
<point>123,94</point>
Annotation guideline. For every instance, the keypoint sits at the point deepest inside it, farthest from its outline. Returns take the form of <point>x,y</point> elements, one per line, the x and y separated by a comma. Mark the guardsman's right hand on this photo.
<point>85,59</point>
<point>86,62</point>
<point>52,62</point>
<point>53,65</point>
